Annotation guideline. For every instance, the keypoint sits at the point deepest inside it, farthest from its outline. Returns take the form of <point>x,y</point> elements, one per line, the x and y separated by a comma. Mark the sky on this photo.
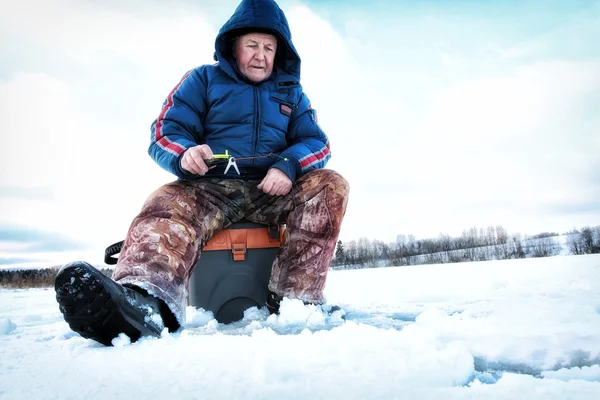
<point>495,330</point>
<point>442,115</point>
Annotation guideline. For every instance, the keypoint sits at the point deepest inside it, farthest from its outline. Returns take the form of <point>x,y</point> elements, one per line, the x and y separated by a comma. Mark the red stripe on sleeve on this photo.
<point>315,157</point>
<point>158,130</point>
<point>173,147</point>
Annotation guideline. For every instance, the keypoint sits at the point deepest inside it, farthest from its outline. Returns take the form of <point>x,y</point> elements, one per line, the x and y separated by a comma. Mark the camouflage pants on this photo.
<point>165,240</point>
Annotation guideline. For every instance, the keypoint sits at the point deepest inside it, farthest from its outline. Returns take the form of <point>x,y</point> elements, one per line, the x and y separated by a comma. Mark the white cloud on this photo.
<point>49,143</point>
<point>508,149</point>
<point>523,124</point>
<point>154,33</point>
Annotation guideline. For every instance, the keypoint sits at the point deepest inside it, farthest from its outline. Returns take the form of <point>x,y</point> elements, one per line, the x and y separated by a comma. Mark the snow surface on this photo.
<point>492,330</point>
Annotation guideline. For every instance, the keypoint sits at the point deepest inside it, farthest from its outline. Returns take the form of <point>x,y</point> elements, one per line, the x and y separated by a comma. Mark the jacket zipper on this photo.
<point>256,121</point>
<point>287,103</point>
<point>289,83</point>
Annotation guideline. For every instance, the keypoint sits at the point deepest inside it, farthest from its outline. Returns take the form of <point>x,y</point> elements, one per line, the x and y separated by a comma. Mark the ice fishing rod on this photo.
<point>232,161</point>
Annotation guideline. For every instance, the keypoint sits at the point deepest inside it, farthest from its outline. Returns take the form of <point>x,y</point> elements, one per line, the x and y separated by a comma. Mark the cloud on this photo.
<point>17,260</point>
<point>98,169</point>
<point>28,193</point>
<point>142,32</point>
<point>517,149</point>
<point>32,240</point>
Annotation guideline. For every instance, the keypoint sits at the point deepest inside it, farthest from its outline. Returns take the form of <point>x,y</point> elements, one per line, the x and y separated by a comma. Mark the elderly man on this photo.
<point>251,105</point>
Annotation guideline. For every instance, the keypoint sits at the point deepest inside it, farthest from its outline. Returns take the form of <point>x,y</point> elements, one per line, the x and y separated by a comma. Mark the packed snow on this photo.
<point>527,328</point>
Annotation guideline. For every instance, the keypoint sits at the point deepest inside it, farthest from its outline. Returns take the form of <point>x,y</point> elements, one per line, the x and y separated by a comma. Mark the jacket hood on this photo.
<point>257,16</point>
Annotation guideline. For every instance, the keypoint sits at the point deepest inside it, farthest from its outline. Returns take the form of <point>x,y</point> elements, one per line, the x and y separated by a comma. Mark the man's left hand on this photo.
<point>276,183</point>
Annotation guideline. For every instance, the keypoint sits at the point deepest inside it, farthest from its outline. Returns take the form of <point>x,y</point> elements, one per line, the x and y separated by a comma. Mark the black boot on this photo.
<point>274,300</point>
<point>99,308</point>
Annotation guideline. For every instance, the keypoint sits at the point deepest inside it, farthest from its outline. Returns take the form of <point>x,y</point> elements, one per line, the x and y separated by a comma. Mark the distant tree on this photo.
<point>544,235</point>
<point>544,247</point>
<point>412,247</point>
<point>585,242</point>
<point>471,238</point>
<point>351,251</point>
<point>575,244</point>
<point>340,256</point>
<point>488,236</point>
<point>381,249</point>
<point>501,235</point>
<point>591,240</point>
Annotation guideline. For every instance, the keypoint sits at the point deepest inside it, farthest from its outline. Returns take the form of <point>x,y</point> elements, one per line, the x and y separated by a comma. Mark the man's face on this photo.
<point>255,55</point>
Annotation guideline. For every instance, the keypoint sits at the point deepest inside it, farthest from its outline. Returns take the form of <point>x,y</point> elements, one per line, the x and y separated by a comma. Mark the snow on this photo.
<point>584,373</point>
<point>121,340</point>
<point>6,326</point>
<point>496,330</point>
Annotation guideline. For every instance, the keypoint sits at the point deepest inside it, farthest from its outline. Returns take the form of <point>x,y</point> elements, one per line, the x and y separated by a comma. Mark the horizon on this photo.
<point>19,261</point>
<point>441,115</point>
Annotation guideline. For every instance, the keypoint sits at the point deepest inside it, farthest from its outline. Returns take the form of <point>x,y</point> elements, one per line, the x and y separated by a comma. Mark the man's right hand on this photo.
<point>193,159</point>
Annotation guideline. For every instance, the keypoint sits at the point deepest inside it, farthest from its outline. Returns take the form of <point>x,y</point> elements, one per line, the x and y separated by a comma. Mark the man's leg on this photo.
<point>160,252</point>
<point>164,241</point>
<point>313,212</point>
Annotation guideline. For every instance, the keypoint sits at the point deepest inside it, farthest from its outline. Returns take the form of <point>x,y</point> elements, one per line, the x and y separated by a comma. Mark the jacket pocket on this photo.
<point>285,105</point>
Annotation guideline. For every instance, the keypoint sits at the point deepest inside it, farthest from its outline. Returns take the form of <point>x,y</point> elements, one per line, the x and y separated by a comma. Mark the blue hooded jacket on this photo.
<point>216,105</point>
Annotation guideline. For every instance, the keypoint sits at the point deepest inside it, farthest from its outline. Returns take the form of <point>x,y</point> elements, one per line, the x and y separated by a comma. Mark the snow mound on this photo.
<point>294,316</point>
<point>121,341</point>
<point>7,326</point>
<point>295,312</point>
<point>307,337</point>
<point>591,374</point>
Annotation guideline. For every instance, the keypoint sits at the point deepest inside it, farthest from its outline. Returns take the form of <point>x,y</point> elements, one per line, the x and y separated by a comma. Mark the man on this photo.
<point>250,105</point>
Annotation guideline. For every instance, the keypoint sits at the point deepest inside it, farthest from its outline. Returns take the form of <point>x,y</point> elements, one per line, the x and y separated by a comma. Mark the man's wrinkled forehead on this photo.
<point>259,37</point>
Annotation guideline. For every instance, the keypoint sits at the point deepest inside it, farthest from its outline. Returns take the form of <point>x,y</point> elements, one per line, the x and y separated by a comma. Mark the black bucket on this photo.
<point>228,287</point>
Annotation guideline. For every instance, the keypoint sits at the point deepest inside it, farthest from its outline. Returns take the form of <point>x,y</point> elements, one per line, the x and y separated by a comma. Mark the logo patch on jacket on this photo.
<point>285,110</point>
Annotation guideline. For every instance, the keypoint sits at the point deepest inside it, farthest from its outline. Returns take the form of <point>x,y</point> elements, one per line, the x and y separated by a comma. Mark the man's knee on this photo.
<point>171,196</point>
<point>330,178</point>
<point>336,180</point>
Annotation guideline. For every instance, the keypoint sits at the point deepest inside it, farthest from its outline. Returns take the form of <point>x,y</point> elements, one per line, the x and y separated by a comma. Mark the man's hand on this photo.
<point>276,183</point>
<point>193,159</point>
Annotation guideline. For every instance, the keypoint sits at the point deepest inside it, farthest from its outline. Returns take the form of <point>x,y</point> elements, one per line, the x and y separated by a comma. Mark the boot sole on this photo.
<point>96,307</point>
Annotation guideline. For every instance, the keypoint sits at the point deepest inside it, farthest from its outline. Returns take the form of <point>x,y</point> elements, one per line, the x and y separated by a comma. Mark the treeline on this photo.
<point>586,241</point>
<point>33,278</point>
<point>491,243</point>
<point>475,244</point>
